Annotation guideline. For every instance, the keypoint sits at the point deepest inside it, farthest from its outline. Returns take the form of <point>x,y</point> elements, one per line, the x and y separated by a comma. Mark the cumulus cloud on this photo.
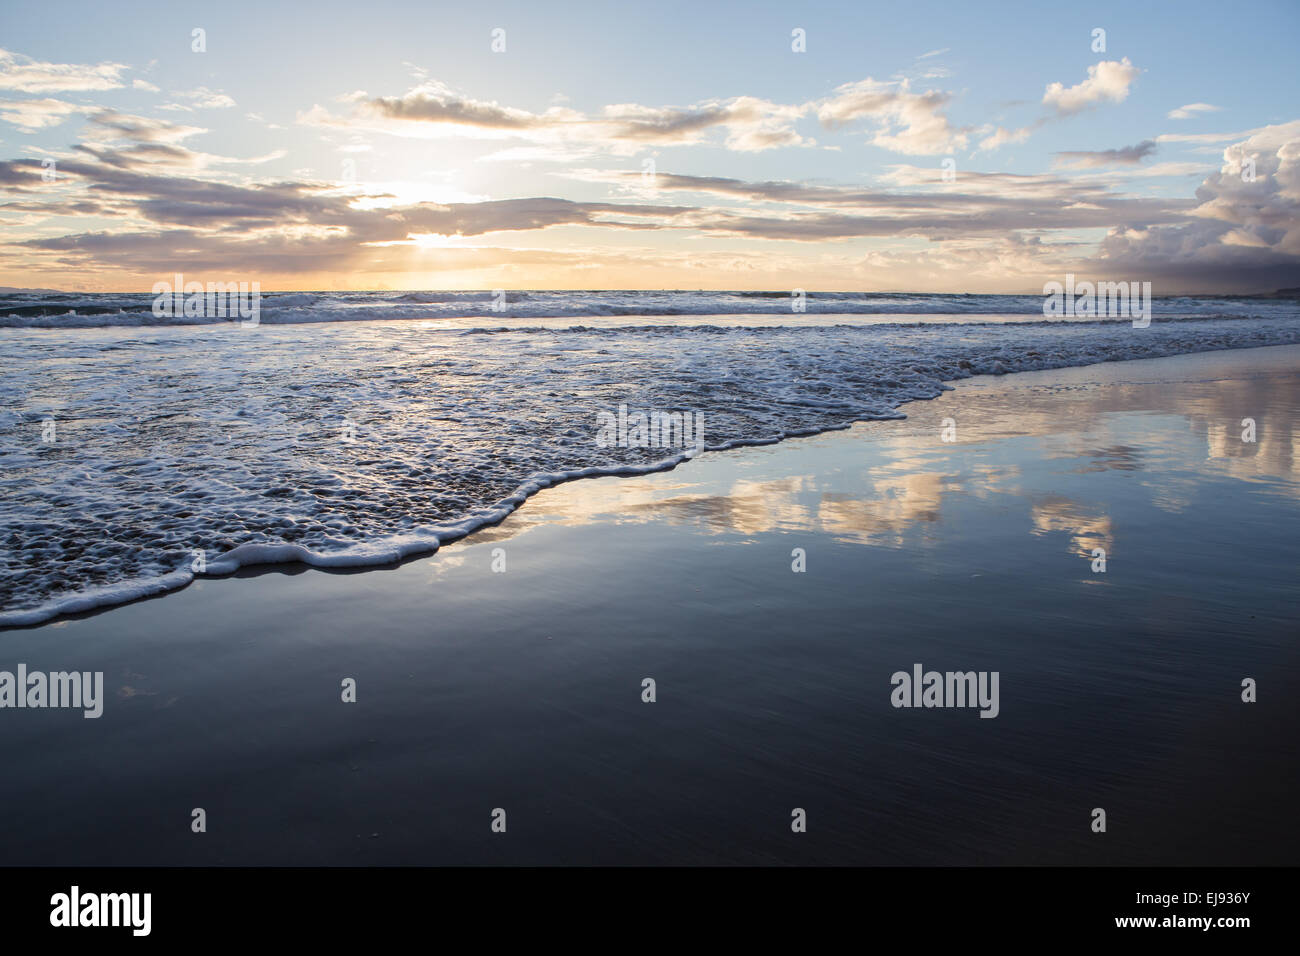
<point>1107,80</point>
<point>909,123</point>
<point>1245,233</point>
<point>1257,191</point>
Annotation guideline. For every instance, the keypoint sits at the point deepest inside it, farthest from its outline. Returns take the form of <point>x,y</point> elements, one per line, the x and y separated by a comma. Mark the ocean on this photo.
<point>355,429</point>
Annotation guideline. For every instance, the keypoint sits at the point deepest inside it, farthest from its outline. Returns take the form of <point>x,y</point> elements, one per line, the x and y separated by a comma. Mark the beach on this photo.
<point>140,452</point>
<point>506,671</point>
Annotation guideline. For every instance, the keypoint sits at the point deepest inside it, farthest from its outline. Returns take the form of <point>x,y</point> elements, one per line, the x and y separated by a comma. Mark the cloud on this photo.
<point>1192,109</point>
<point>152,202</point>
<point>132,142</point>
<point>977,205</point>
<point>740,123</point>
<point>1001,136</point>
<point>108,125</point>
<point>173,220</point>
<point>1107,80</point>
<point>1204,137</point>
<point>298,226</point>
<point>1245,230</point>
<point>752,124</point>
<point>909,123</point>
<point>204,98</point>
<point>32,115</point>
<point>436,103</point>
<point>25,75</point>
<point>200,99</point>
<point>1125,156</point>
<point>145,85</point>
<point>903,120</point>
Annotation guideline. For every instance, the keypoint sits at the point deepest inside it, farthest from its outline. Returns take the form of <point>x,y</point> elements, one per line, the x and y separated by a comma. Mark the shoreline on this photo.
<point>507,671</point>
<point>395,551</point>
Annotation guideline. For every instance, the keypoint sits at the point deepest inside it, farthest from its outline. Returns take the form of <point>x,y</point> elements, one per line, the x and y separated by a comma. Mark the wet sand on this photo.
<point>522,689</point>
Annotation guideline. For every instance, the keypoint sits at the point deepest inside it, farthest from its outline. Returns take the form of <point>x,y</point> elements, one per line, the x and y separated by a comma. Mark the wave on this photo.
<point>361,444</point>
<point>70,310</point>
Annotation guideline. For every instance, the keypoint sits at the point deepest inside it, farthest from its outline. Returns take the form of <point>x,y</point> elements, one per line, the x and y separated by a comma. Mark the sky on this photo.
<point>951,147</point>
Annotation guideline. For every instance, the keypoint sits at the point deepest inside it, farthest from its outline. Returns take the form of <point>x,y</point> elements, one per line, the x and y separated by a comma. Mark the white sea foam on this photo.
<point>356,444</point>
